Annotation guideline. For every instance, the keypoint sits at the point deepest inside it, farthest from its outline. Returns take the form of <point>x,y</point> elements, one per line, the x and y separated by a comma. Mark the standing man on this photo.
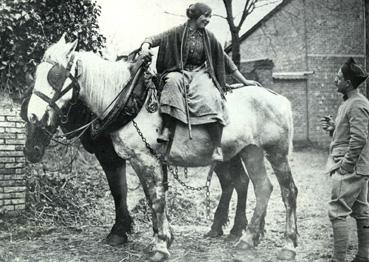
<point>349,163</point>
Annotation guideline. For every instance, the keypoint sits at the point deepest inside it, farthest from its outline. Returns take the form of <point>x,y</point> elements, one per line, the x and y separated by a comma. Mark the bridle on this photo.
<point>56,77</point>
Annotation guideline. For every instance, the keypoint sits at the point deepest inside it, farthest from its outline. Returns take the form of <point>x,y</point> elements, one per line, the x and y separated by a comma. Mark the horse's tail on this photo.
<point>290,127</point>
<point>287,122</point>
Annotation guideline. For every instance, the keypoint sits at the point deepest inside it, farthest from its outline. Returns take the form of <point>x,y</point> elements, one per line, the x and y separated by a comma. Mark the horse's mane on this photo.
<point>101,80</point>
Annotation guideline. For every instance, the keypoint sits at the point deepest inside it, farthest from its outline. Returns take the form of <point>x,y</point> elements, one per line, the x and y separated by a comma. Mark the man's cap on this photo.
<point>353,72</point>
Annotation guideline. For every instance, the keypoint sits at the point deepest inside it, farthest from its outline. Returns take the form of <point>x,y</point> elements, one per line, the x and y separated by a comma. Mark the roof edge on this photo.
<point>258,24</point>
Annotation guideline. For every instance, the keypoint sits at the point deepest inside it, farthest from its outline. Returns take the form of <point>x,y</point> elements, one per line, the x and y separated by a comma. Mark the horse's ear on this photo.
<point>62,39</point>
<point>72,46</point>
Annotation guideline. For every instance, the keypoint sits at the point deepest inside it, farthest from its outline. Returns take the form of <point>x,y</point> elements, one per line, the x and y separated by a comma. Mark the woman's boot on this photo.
<point>216,131</point>
<point>167,127</point>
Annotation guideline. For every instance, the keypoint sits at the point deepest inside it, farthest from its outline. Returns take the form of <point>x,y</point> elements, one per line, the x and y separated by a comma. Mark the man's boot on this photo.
<point>340,238</point>
<point>363,240</point>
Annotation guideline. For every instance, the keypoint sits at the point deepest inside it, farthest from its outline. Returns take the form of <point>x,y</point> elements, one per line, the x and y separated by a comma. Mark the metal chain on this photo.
<point>174,171</point>
<point>159,157</point>
<point>176,176</point>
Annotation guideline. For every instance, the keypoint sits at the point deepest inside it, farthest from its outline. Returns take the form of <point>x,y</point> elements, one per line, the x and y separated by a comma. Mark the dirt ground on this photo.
<point>22,242</point>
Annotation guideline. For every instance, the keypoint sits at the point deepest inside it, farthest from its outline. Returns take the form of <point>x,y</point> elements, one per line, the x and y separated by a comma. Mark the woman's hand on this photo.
<point>240,78</point>
<point>145,52</point>
<point>252,83</point>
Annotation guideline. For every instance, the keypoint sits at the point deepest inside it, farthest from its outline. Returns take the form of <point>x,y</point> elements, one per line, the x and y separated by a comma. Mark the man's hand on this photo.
<point>327,123</point>
<point>342,171</point>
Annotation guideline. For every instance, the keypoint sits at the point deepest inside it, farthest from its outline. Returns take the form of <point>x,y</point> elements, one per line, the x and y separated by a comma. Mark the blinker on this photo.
<point>57,76</point>
<point>23,112</point>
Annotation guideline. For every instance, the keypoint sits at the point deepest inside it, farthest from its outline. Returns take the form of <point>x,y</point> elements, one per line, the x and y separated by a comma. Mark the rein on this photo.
<point>57,86</point>
<point>57,82</point>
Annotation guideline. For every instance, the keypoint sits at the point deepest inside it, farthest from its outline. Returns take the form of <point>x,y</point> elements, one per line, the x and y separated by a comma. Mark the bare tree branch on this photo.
<point>249,7</point>
<point>174,14</point>
<point>264,4</point>
<point>221,16</point>
<point>228,7</point>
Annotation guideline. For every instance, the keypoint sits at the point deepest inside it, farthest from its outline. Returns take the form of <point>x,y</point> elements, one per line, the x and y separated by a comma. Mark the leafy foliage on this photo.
<point>67,188</point>
<point>27,27</point>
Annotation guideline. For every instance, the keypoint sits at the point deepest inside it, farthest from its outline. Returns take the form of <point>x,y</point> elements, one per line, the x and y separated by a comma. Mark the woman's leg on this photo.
<point>172,103</point>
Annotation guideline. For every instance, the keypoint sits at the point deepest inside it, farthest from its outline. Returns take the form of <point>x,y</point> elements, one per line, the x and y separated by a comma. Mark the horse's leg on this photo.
<point>231,175</point>
<point>149,200</point>
<point>253,158</point>
<point>279,161</point>
<point>152,175</point>
<point>221,214</point>
<point>241,182</point>
<point>115,171</point>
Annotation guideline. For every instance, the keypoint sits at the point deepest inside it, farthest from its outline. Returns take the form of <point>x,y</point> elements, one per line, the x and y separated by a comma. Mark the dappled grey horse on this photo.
<point>260,124</point>
<point>230,173</point>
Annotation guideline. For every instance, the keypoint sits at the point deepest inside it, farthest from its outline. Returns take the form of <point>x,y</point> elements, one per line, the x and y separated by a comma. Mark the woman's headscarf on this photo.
<point>194,11</point>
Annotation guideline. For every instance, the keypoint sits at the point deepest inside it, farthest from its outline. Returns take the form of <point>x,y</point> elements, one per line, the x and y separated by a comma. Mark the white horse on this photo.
<point>260,123</point>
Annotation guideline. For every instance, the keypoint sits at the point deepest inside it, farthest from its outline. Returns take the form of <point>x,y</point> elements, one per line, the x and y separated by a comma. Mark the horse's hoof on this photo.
<point>243,245</point>
<point>213,234</point>
<point>232,238</point>
<point>286,254</point>
<point>115,240</point>
<point>159,256</point>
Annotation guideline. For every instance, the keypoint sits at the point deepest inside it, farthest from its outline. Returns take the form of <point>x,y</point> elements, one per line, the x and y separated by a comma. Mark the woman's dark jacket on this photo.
<point>169,55</point>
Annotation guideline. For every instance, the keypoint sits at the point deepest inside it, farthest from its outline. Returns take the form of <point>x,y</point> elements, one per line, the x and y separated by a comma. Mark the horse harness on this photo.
<point>56,77</point>
<point>128,102</point>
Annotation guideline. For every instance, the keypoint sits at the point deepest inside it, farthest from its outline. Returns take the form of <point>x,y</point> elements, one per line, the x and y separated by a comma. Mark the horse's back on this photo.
<point>261,116</point>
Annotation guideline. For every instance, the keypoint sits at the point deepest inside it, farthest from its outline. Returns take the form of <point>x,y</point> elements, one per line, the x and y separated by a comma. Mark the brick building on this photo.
<point>12,177</point>
<point>307,41</point>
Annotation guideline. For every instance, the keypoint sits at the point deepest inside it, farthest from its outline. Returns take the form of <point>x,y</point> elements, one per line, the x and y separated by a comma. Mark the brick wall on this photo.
<point>280,38</point>
<point>295,91</point>
<point>335,31</point>
<point>12,178</point>
<point>317,36</point>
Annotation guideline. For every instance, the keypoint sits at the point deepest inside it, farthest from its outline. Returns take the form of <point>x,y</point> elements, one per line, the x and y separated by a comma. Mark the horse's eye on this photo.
<point>33,119</point>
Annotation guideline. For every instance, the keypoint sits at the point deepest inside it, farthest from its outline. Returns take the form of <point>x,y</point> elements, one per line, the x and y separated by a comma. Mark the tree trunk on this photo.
<point>236,55</point>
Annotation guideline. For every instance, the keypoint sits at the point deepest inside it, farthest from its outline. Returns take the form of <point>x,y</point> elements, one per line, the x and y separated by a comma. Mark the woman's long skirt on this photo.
<point>204,100</point>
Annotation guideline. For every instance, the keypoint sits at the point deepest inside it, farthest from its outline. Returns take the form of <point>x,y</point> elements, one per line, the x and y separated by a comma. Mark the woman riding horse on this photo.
<point>192,64</point>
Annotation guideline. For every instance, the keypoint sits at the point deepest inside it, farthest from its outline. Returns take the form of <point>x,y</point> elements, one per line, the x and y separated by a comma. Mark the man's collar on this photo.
<point>350,94</point>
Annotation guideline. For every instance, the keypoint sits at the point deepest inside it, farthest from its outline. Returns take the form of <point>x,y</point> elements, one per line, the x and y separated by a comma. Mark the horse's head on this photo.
<point>53,88</point>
